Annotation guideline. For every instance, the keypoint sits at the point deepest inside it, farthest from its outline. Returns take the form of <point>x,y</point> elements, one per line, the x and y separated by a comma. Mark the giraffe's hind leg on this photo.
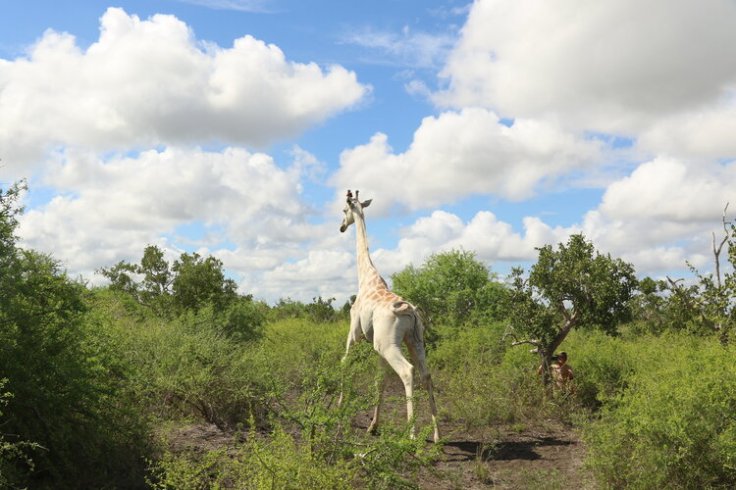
<point>416,349</point>
<point>393,356</point>
<point>381,387</point>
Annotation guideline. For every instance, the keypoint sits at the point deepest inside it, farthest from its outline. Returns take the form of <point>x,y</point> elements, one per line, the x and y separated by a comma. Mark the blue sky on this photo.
<point>234,127</point>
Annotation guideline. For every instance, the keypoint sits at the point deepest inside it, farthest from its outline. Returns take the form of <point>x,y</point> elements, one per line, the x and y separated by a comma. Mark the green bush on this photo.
<point>294,345</point>
<point>481,381</point>
<point>69,395</point>
<point>15,455</point>
<point>674,426</point>
<point>187,366</point>
<point>602,365</point>
<point>452,288</point>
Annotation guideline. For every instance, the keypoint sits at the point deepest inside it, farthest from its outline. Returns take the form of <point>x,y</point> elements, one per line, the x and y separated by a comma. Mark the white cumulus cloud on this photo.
<point>608,65</point>
<point>151,82</point>
<point>457,154</point>
<point>108,210</point>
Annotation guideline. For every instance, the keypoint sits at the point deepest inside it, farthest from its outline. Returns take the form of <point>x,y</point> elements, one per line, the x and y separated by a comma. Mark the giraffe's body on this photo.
<point>385,319</point>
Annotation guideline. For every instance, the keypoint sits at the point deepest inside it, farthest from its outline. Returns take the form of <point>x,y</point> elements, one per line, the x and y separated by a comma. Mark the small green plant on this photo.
<point>480,464</point>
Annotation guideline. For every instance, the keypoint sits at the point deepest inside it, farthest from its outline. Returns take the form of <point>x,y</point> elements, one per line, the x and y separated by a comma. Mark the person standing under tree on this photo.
<point>560,371</point>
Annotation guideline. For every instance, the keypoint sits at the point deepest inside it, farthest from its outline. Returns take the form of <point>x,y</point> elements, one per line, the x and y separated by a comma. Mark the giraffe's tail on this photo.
<point>418,327</point>
<point>407,309</point>
<point>402,308</point>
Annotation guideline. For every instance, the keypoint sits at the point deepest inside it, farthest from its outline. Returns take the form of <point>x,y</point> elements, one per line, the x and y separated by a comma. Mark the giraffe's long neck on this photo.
<point>367,273</point>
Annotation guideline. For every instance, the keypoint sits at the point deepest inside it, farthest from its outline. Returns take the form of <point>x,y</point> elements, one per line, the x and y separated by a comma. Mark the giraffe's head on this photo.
<point>353,206</point>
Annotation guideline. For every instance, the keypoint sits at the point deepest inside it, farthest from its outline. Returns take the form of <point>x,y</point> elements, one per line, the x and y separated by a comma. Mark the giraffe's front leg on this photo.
<point>353,336</point>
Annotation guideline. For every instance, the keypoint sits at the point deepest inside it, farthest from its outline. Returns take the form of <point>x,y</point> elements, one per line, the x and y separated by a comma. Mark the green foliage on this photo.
<point>703,306</point>
<point>242,320</point>
<point>716,304</point>
<point>191,283</point>
<point>602,366</point>
<point>597,286</point>
<point>199,281</point>
<point>483,383</point>
<point>68,396</point>
<point>294,347</point>
<point>157,278</point>
<point>319,310</point>
<point>9,211</point>
<point>573,286</point>
<point>673,426</point>
<point>662,306</point>
<point>15,456</point>
<point>287,308</point>
<point>452,287</point>
<point>190,366</point>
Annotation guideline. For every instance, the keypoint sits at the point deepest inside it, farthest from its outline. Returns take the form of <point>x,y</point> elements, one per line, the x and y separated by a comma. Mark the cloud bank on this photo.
<point>151,82</point>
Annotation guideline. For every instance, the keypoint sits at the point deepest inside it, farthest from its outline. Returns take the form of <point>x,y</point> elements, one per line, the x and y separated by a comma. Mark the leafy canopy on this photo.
<point>190,283</point>
<point>572,286</point>
<point>453,287</point>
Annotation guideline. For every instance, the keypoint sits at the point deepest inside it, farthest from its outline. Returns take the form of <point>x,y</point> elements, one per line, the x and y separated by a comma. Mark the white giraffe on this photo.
<point>385,319</point>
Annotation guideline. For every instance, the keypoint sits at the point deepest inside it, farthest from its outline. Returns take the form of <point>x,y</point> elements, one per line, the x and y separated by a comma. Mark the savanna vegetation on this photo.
<point>102,387</point>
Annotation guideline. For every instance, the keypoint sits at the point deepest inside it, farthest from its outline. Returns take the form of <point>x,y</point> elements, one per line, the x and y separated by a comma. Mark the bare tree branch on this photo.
<point>563,310</point>
<point>717,250</point>
<point>536,343</point>
<point>533,342</point>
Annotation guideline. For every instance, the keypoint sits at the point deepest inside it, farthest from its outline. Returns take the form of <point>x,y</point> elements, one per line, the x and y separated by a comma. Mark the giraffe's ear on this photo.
<point>366,203</point>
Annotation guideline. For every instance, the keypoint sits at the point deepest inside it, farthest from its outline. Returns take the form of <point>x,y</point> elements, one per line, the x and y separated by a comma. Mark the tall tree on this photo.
<point>157,277</point>
<point>9,211</point>
<point>573,286</point>
<point>451,286</point>
<point>190,283</point>
<point>200,281</point>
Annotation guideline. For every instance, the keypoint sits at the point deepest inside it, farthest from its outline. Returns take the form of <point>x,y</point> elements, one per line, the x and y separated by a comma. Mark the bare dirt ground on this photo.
<point>506,458</point>
<point>546,458</point>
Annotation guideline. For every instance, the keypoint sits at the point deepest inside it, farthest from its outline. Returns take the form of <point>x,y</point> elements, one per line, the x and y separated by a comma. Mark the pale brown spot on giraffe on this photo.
<point>387,296</point>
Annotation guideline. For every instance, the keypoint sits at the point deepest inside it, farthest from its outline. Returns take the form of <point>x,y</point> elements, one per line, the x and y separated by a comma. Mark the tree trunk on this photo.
<point>548,351</point>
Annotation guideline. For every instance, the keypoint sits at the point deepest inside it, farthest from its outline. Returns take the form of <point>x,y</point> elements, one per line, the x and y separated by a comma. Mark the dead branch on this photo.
<point>536,343</point>
<point>717,250</point>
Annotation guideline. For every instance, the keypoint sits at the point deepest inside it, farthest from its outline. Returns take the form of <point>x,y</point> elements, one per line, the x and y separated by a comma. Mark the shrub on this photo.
<point>67,379</point>
<point>242,320</point>
<point>674,425</point>
<point>15,455</point>
<point>189,366</point>
<point>602,365</point>
<point>453,288</point>
<point>480,382</point>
